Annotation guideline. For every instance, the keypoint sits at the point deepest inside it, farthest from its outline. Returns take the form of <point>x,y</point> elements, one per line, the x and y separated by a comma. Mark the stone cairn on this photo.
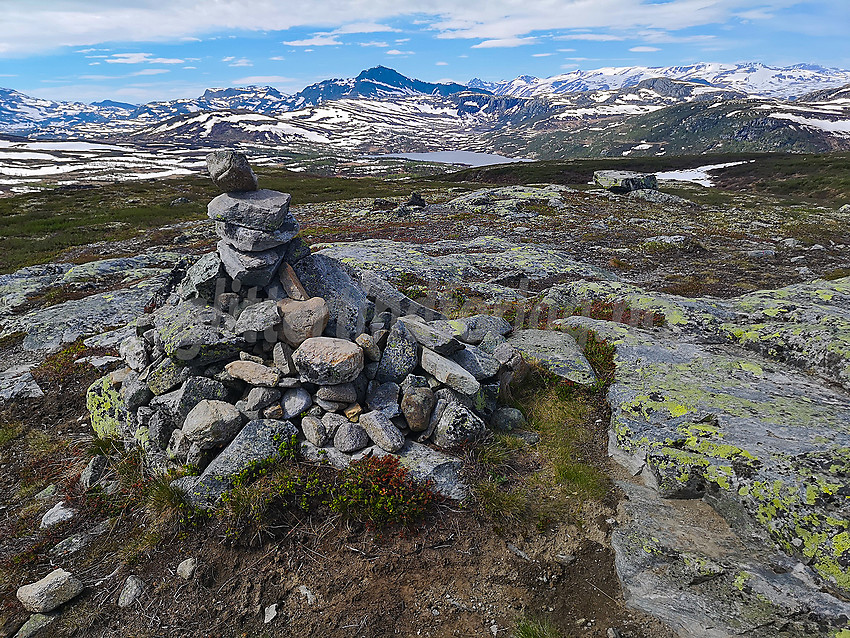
<point>262,340</point>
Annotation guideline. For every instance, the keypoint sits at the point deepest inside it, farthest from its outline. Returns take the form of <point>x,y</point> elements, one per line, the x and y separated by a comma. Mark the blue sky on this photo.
<point>143,50</point>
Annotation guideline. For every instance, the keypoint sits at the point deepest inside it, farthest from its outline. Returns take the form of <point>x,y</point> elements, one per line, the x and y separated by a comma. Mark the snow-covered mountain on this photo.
<point>754,79</point>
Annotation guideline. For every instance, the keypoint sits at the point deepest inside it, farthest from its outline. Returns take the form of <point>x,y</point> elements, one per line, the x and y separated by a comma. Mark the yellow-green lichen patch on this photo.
<point>106,407</point>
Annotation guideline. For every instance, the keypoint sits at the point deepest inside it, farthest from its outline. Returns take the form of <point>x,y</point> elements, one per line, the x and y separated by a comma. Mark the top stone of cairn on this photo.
<point>230,172</point>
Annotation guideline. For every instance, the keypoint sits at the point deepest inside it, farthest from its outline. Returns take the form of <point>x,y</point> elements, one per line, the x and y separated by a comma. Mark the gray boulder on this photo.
<point>328,361</point>
<point>212,423</point>
<point>251,240</point>
<point>350,437</point>
<point>477,362</point>
<point>314,431</point>
<point>506,419</point>
<point>133,589</point>
<point>324,277</point>
<point>474,329</point>
<point>556,351</point>
<point>196,334</point>
<point>134,353</point>
<point>253,373</point>
<point>45,595</point>
<point>301,320</point>
<point>231,172</point>
<point>426,464</point>
<point>295,402</point>
<point>250,268</point>
<point>166,375</point>
<point>624,181</point>
<point>258,442</point>
<point>203,278</point>
<point>400,357</point>
<point>342,393</point>
<point>261,210</point>
<point>440,341</point>
<point>259,398</point>
<point>383,397</point>
<point>457,425</point>
<point>258,318</point>
<point>57,514</point>
<point>450,373</point>
<point>176,405</point>
<point>382,431</point>
<point>417,405</point>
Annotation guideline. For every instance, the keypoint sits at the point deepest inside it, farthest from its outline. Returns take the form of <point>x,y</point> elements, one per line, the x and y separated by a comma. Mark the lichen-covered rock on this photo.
<point>250,268</point>
<point>425,464</point>
<point>203,278</point>
<point>253,373</point>
<point>167,375</point>
<point>400,357</point>
<point>477,362</point>
<point>260,441</point>
<point>558,352</point>
<point>259,398</point>
<point>251,240</point>
<point>196,334</point>
<point>350,437</point>
<point>387,297</point>
<point>342,393</point>
<point>624,181</point>
<point>473,329</point>
<point>448,372</point>
<point>257,319</point>
<point>212,423</point>
<point>301,320</point>
<point>440,341</point>
<point>45,595</point>
<point>109,416</point>
<point>328,361</point>
<point>324,277</point>
<point>417,405</point>
<point>295,402</point>
<point>134,353</point>
<point>264,210</point>
<point>231,172</point>
<point>314,431</point>
<point>457,425</point>
<point>506,419</point>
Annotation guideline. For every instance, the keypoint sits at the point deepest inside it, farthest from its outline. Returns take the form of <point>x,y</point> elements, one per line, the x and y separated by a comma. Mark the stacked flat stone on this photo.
<point>244,356</point>
<point>255,226</point>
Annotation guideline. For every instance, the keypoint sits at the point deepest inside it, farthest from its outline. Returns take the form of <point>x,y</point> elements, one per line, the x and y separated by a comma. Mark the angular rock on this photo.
<point>203,278</point>
<point>253,373</point>
<point>384,398</point>
<point>382,431</point>
<point>261,210</point>
<point>353,412</point>
<point>624,181</point>
<point>332,422</point>
<point>178,446</point>
<point>417,405</point>
<point>440,341</point>
<point>35,624</point>
<point>259,398</point>
<point>135,392</point>
<point>186,569</point>
<point>342,393</point>
<point>70,545</point>
<point>388,297</point>
<point>166,376</point>
<point>295,402</point>
<point>400,357</point>
<point>556,351</point>
<point>93,471</point>
<point>425,464</point>
<point>59,513</point>
<point>370,348</point>
<point>196,334</point>
<point>176,405</point>
<point>413,381</point>
<point>108,414</point>
<point>330,455</point>
<point>291,284</point>
<point>324,277</point>
<point>314,431</point>
<point>45,595</point>
<point>134,353</point>
<point>252,241</point>
<point>328,361</point>
<point>350,437</point>
<point>257,319</point>
<point>458,425</point>
<point>301,320</point>
<point>282,355</point>
<point>448,372</point>
<point>250,269</point>
<point>259,441</point>
<point>212,423</point>
<point>134,587</point>
<point>474,329</point>
<point>477,362</point>
<point>231,172</point>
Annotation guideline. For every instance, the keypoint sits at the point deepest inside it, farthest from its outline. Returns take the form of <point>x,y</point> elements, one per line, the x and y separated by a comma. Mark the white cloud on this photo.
<point>397,52</point>
<point>242,62</point>
<point>402,40</point>
<point>277,58</point>
<point>644,49</point>
<point>151,72</point>
<point>381,45</point>
<point>541,55</point>
<point>591,37</point>
<point>318,40</point>
<point>189,68</point>
<point>441,63</point>
<point>364,27</point>
<point>229,58</point>
<point>566,50</point>
<point>505,42</point>
<point>140,58</point>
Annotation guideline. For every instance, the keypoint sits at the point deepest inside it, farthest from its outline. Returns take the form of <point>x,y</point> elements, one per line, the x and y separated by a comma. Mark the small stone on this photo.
<point>70,545</point>
<point>382,431</point>
<point>332,422</point>
<point>342,393</point>
<point>35,624</point>
<point>133,589</point>
<point>458,425</point>
<point>384,398</point>
<point>282,355</point>
<point>440,341</point>
<point>448,372</point>
<point>274,412</point>
<point>314,431</point>
<point>57,514</point>
<point>166,376</point>
<point>295,402</point>
<point>186,569</point>
<point>259,398</point>
<point>370,348</point>
<point>328,361</point>
<point>291,284</point>
<point>253,373</point>
<point>45,595</point>
<point>301,320</point>
<point>400,357</point>
<point>350,437</point>
<point>178,446</point>
<point>250,268</point>
<point>134,353</point>
<point>506,419</point>
<point>231,172</point>
<point>212,423</point>
<point>269,614</point>
<point>417,405</point>
<point>353,412</point>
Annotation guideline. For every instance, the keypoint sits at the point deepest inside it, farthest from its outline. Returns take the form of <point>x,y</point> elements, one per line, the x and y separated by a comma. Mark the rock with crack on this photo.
<point>328,361</point>
<point>203,278</point>
<point>258,442</point>
<point>196,334</point>
<point>252,240</point>
<point>45,595</point>
<point>301,320</point>
<point>263,210</point>
<point>250,268</point>
<point>400,356</point>
<point>231,172</point>
<point>557,352</point>
<point>450,373</point>
<point>624,181</point>
<point>382,431</point>
<point>458,425</point>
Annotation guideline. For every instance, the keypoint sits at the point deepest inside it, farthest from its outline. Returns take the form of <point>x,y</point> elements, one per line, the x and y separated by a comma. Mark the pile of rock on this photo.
<point>262,341</point>
<point>624,181</point>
